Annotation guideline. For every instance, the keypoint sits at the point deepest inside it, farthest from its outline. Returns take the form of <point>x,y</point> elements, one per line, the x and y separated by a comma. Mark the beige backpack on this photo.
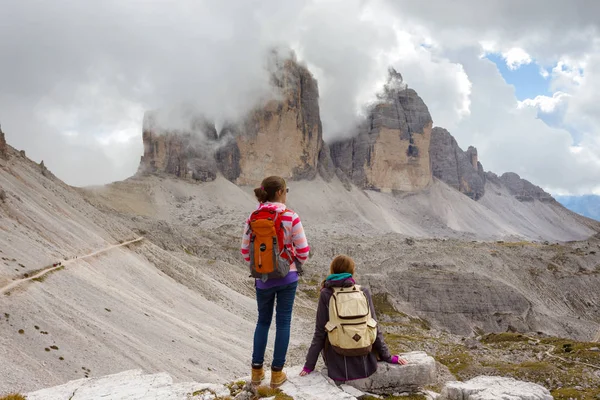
<point>351,329</point>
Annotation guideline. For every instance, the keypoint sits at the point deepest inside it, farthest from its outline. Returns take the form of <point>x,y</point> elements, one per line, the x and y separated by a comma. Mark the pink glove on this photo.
<point>305,371</point>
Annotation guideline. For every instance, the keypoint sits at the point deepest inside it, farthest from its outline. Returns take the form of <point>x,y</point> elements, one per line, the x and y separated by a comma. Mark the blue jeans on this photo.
<point>285,302</point>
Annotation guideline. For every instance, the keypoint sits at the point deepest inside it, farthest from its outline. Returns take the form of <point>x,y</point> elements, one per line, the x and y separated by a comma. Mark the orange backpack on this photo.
<point>269,258</point>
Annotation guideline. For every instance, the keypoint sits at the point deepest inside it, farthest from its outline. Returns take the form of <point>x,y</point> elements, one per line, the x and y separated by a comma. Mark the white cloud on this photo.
<point>515,57</point>
<point>545,103</point>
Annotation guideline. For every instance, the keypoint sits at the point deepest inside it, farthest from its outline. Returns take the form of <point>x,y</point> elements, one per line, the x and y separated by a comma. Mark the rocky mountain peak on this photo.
<point>183,148</point>
<point>522,189</point>
<point>459,169</point>
<point>391,148</point>
<point>282,136</point>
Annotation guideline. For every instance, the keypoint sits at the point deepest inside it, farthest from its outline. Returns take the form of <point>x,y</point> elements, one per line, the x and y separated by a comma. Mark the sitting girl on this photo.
<point>340,367</point>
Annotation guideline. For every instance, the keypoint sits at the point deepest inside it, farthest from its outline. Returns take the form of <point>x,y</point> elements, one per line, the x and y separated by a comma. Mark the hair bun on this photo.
<point>261,194</point>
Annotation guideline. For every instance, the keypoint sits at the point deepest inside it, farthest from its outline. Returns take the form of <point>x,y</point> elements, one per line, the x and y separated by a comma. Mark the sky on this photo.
<point>518,80</point>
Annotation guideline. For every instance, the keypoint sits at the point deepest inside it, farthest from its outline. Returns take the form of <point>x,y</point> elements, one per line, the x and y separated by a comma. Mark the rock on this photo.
<point>522,189</point>
<point>452,165</point>
<point>314,386</point>
<point>326,168</point>
<point>228,154</point>
<point>389,378</point>
<point>184,149</point>
<point>44,170</point>
<point>472,344</point>
<point>285,136</point>
<point>390,151</point>
<point>459,301</point>
<point>3,146</point>
<point>492,388</point>
<point>131,385</point>
<point>352,391</point>
<point>344,179</point>
<point>23,154</point>
<point>2,195</point>
<point>409,241</point>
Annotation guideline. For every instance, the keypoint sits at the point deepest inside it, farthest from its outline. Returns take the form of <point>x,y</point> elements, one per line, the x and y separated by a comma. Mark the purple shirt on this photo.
<point>291,277</point>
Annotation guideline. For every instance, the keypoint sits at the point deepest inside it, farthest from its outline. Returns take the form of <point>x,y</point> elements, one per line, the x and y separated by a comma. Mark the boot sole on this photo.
<point>277,385</point>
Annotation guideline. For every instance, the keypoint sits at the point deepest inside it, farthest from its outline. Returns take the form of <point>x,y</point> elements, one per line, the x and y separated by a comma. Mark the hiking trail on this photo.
<point>552,348</point>
<point>64,263</point>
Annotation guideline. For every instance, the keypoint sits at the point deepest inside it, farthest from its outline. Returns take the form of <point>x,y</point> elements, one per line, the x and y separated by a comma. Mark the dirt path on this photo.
<point>16,283</point>
<point>552,348</point>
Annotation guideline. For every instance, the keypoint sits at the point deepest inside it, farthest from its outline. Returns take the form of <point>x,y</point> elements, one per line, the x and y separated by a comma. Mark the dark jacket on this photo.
<point>343,368</point>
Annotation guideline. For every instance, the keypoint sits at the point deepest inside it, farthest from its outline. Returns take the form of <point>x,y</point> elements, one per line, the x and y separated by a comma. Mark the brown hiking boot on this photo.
<point>258,374</point>
<point>278,378</point>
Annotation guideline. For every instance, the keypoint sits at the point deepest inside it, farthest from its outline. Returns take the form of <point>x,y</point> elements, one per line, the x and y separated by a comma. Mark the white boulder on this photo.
<point>392,378</point>
<point>494,388</point>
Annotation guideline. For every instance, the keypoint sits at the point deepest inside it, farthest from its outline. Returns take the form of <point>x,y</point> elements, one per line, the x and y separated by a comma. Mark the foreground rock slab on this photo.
<point>389,378</point>
<point>314,386</point>
<point>494,388</point>
<point>129,385</point>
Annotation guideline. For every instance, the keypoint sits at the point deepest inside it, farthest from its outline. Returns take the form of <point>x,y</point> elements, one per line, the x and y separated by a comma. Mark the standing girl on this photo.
<point>282,259</point>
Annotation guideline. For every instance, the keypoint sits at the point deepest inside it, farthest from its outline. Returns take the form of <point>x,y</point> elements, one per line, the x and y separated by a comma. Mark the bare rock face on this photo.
<point>522,189</point>
<point>185,153</point>
<point>3,146</point>
<point>282,138</point>
<point>391,149</point>
<point>494,387</point>
<point>457,168</point>
<point>459,301</point>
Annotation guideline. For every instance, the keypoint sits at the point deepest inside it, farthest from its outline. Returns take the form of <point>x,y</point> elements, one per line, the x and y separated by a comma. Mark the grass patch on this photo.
<point>572,393</point>
<point>411,396</point>
<point>266,391</point>
<point>576,351</point>
<point>457,359</point>
<point>503,338</point>
<point>312,293</point>
<point>208,391</point>
<point>421,323</point>
<point>383,305</point>
<point>236,388</point>
<point>43,277</point>
<point>14,396</point>
<point>521,243</point>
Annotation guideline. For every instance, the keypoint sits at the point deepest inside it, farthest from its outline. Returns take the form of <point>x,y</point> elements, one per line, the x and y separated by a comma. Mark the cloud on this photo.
<point>76,78</point>
<point>546,104</point>
<point>515,57</point>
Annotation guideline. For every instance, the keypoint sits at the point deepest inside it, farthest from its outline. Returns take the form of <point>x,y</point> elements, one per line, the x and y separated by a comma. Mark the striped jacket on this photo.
<point>294,237</point>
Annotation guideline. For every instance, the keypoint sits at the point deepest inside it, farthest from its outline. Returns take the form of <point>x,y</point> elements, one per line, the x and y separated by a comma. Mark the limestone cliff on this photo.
<point>185,153</point>
<point>459,169</point>
<point>282,138</point>
<point>391,149</point>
